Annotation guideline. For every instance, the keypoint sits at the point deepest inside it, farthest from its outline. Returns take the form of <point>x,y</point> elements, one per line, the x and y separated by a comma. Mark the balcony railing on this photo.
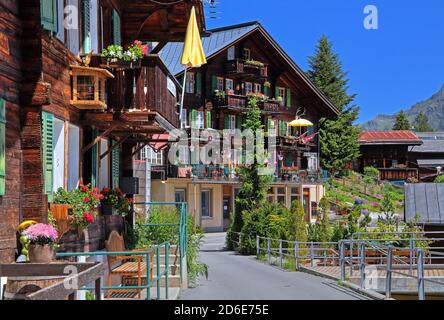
<point>241,102</point>
<point>144,86</point>
<point>398,173</point>
<point>228,174</point>
<point>243,67</point>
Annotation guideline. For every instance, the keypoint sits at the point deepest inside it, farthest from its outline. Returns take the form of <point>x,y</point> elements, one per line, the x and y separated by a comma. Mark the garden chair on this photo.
<point>132,266</point>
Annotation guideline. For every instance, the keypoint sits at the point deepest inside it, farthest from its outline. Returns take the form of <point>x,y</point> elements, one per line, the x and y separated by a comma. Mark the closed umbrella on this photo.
<point>193,55</point>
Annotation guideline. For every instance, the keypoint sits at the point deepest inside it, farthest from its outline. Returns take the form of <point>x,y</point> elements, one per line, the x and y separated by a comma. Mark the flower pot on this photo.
<point>41,254</point>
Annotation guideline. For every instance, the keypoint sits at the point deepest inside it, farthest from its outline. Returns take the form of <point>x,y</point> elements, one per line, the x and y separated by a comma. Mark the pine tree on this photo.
<point>325,229</point>
<point>402,122</point>
<point>339,136</point>
<point>254,186</point>
<point>421,123</point>
<point>297,224</point>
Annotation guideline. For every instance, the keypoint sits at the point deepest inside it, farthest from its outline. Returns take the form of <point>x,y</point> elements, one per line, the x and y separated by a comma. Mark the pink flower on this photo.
<point>39,231</point>
<point>145,50</point>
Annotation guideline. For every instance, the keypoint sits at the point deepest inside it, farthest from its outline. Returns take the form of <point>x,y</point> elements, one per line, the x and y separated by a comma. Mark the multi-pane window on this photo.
<point>184,117</point>
<point>248,87</point>
<point>150,156</point>
<point>281,94</point>
<point>190,84</point>
<point>281,195</point>
<point>229,84</point>
<point>220,84</point>
<point>200,120</point>
<point>246,53</point>
<point>206,203</point>
<point>295,195</point>
<point>257,88</point>
<point>232,122</point>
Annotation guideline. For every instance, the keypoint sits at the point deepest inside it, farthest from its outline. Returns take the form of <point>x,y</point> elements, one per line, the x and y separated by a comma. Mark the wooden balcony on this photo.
<point>400,174</point>
<point>240,103</point>
<point>243,68</point>
<point>146,88</point>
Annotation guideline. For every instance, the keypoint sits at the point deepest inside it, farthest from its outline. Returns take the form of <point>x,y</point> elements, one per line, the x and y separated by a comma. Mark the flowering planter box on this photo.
<point>120,64</point>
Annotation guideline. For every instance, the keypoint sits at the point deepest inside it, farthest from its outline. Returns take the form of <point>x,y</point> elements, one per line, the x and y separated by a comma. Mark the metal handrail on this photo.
<point>130,254</point>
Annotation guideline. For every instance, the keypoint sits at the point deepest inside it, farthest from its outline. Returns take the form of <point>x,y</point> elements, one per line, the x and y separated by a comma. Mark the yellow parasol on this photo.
<point>301,123</point>
<point>193,55</point>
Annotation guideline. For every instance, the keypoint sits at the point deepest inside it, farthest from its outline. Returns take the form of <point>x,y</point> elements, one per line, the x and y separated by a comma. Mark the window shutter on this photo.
<point>115,165</point>
<point>208,120</point>
<point>270,124</point>
<point>276,92</point>
<point>48,153</point>
<point>282,128</point>
<point>288,94</point>
<point>199,83</point>
<point>86,26</point>
<point>213,84</point>
<point>193,118</point>
<point>238,122</point>
<point>94,160</point>
<point>117,35</point>
<point>267,91</point>
<point>226,121</point>
<point>2,147</point>
<point>48,12</point>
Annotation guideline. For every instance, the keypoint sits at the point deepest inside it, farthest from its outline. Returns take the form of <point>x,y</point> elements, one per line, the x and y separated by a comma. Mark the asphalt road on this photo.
<point>234,277</point>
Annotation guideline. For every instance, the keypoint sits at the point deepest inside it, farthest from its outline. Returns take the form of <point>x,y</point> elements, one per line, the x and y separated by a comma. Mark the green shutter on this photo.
<point>86,26</point>
<point>213,84</point>
<point>238,122</point>
<point>48,153</point>
<point>267,91</point>
<point>282,128</point>
<point>48,11</point>
<point>199,83</point>
<point>115,165</point>
<point>117,34</point>
<point>2,147</point>
<point>276,92</point>
<point>208,119</point>
<point>94,160</point>
<point>193,118</point>
<point>226,121</point>
<point>288,94</point>
<point>270,124</point>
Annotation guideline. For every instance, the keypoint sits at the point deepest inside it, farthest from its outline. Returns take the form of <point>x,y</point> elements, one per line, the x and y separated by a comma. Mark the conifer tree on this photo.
<point>338,136</point>
<point>402,122</point>
<point>421,123</point>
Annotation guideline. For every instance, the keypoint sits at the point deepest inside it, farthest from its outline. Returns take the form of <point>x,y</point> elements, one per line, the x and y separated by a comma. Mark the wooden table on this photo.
<point>69,273</point>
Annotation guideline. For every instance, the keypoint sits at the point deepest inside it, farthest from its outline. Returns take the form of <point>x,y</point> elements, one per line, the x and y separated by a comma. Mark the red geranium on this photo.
<point>86,200</point>
<point>84,188</point>
<point>88,217</point>
<point>105,190</point>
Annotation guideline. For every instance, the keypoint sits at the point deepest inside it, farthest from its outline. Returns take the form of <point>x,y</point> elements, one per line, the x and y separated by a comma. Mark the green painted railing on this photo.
<point>147,255</point>
<point>182,226</point>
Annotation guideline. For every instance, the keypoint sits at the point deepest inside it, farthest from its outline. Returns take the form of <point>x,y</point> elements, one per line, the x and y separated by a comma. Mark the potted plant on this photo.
<point>85,202</point>
<point>41,238</point>
<point>114,56</point>
<point>114,202</point>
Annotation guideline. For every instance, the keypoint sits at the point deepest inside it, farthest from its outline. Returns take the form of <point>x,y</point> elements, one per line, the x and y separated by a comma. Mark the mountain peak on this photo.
<point>433,108</point>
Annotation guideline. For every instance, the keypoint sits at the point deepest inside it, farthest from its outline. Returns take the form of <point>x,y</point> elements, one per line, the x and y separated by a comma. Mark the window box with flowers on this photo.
<point>83,203</point>
<point>115,57</point>
<point>114,202</point>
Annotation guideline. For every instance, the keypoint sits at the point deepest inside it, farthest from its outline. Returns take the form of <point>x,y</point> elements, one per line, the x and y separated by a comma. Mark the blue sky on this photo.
<point>391,68</point>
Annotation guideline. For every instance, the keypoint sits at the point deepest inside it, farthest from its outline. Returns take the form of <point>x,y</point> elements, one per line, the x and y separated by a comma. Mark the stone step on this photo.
<point>173,270</point>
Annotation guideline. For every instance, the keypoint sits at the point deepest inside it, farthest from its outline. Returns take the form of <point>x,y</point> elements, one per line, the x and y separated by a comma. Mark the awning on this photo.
<point>159,142</point>
<point>424,163</point>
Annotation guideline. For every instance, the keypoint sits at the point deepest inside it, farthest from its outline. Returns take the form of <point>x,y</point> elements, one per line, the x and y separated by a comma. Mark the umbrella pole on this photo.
<point>182,98</point>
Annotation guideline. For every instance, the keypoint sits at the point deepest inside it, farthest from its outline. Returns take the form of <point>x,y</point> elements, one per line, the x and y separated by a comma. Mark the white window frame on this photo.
<point>200,120</point>
<point>190,83</point>
<point>282,91</point>
<point>257,88</point>
<point>150,156</point>
<point>220,84</point>
<point>246,54</point>
<point>209,216</point>
<point>248,87</point>
<point>229,84</point>
<point>185,117</point>
<point>232,121</point>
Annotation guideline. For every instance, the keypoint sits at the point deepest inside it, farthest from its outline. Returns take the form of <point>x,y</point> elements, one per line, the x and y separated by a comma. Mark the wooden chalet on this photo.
<point>244,61</point>
<point>429,156</point>
<point>388,152</point>
<point>63,122</point>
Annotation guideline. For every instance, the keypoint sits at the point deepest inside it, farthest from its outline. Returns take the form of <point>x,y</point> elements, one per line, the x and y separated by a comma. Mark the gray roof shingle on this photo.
<point>433,142</point>
<point>219,39</point>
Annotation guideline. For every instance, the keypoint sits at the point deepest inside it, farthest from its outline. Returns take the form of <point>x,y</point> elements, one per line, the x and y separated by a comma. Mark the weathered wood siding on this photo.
<point>10,77</point>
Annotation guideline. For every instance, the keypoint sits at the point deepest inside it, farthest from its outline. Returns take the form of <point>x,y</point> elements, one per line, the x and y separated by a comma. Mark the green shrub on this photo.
<point>440,179</point>
<point>371,175</point>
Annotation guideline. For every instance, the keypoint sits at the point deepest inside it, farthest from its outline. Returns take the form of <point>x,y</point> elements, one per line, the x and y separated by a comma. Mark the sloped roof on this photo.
<point>433,142</point>
<point>222,38</point>
<point>426,200</point>
<point>389,137</point>
<point>218,40</point>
